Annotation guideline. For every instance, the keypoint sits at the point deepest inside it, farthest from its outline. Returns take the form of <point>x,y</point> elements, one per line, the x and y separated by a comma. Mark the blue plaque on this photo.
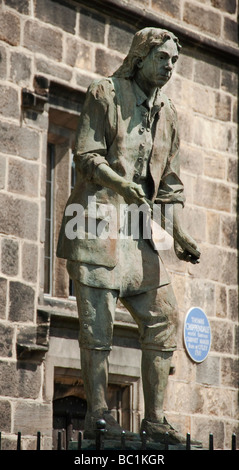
<point>197,334</point>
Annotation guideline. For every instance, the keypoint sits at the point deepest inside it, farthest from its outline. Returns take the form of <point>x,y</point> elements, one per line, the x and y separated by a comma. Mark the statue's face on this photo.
<point>158,66</point>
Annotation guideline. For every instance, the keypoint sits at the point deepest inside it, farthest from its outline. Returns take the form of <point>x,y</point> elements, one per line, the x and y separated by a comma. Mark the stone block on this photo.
<point>120,36</point>
<point>174,90</point>
<point>235,111</point>
<point>223,105</point>
<point>92,26</point>
<point>207,72</point>
<point>191,159</point>
<point>42,39</point>
<point>29,262</point>
<point>23,177</point>
<point>204,19</point>
<point>19,217</point>
<point>184,367</point>
<point>179,287</point>
<point>230,31</point>
<point>233,303</point>
<point>61,14</point>
<point>221,301</point>
<point>229,268</point>
<point>228,6</point>
<point>172,8</point>
<point>229,227</point>
<point>208,371</point>
<point>50,68</point>
<point>236,340</point>
<point>217,402</point>
<point>6,341</point>
<point>229,81</point>
<point>9,102</point>
<point>198,98</point>
<point>185,64</point>
<point>22,6</point>
<point>217,265</point>
<point>234,201</point>
<point>186,125</point>
<point>20,380</point>
<point>78,54</point>
<point>214,135</point>
<point>9,28</point>
<point>9,257</point>
<point>212,195</point>
<point>224,137</point>
<point>2,171</point>
<point>231,427</point>
<point>194,221</point>
<point>213,228</point>
<point>189,183</point>
<point>33,417</point>
<point>203,426</point>
<point>40,121</point>
<point>3,62</point>
<point>106,63</point>
<point>22,302</point>
<point>215,166</point>
<point>3,297</point>
<point>201,293</point>
<point>27,334</point>
<point>229,372</point>
<point>228,141</point>
<point>5,413</point>
<point>20,68</point>
<point>19,141</point>
<point>184,397</point>
<point>232,175</point>
<point>222,336</point>
<point>9,442</point>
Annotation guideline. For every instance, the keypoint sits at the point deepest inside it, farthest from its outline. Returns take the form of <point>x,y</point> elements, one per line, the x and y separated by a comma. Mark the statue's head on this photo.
<point>145,49</point>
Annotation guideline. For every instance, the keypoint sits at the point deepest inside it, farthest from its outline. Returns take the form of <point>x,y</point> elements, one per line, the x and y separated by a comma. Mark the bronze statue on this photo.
<point>127,152</point>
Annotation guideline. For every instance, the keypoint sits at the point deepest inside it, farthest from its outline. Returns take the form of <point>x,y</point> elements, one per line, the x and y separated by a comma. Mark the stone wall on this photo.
<point>70,44</point>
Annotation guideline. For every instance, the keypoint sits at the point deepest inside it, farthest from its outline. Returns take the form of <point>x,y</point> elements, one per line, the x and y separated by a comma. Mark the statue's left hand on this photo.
<point>187,249</point>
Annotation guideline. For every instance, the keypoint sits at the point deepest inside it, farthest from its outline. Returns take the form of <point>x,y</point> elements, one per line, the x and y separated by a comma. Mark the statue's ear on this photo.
<point>140,63</point>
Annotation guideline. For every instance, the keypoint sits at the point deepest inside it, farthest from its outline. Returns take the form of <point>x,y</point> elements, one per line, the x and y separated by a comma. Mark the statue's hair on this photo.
<point>142,43</point>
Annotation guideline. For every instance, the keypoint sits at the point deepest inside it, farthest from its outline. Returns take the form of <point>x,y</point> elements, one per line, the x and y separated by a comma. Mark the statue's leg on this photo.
<point>96,309</point>
<point>94,367</point>
<point>156,314</point>
<point>155,372</point>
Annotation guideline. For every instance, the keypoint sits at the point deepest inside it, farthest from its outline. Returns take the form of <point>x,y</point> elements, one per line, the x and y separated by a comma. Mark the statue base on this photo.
<point>88,445</point>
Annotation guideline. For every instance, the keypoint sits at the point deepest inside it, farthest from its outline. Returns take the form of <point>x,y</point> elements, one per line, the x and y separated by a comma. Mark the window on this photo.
<point>65,106</point>
<point>73,181</point>
<point>49,221</point>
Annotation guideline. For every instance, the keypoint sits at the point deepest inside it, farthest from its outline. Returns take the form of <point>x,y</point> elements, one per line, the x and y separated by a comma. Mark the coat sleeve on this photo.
<point>91,143</point>
<point>171,189</point>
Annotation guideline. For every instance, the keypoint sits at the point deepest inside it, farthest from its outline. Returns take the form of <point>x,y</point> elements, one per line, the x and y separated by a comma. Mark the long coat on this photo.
<point>115,129</point>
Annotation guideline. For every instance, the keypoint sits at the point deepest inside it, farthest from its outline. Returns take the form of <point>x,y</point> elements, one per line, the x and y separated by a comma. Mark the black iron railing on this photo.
<point>100,442</point>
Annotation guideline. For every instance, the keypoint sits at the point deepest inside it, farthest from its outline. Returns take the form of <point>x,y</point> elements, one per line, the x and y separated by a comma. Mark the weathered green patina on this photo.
<point>127,152</point>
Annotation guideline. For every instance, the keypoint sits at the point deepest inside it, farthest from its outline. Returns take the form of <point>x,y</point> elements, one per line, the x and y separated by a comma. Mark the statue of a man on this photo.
<point>127,152</point>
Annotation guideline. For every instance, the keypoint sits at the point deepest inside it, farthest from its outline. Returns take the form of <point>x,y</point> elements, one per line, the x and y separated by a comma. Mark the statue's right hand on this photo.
<point>132,193</point>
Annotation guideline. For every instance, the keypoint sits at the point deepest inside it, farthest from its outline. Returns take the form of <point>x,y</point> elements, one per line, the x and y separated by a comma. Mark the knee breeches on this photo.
<point>154,311</point>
